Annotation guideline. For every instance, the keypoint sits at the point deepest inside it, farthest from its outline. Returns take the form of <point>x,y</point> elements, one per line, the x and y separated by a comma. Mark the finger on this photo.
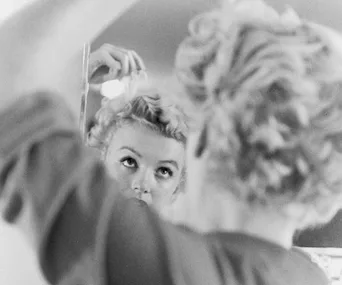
<point>110,47</point>
<point>114,69</point>
<point>132,63</point>
<point>122,57</point>
<point>98,58</point>
<point>104,68</point>
<point>139,62</point>
<point>107,46</point>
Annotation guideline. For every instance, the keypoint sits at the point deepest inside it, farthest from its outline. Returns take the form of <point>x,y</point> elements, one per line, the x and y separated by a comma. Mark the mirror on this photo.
<point>154,28</point>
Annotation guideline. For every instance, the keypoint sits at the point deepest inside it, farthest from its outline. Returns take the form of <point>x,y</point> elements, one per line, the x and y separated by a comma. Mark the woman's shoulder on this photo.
<point>191,259</point>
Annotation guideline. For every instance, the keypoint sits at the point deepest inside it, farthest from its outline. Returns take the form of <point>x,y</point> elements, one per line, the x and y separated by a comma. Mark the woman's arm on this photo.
<point>85,231</point>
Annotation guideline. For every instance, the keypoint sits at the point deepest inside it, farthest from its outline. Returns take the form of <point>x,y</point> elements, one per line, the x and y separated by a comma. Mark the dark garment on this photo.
<point>86,232</point>
<point>329,235</point>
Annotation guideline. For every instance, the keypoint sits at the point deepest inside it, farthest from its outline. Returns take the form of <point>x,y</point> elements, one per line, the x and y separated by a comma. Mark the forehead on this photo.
<point>147,142</point>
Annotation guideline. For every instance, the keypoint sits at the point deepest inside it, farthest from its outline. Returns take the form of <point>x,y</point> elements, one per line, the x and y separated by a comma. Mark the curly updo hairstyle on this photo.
<point>148,108</point>
<point>269,88</point>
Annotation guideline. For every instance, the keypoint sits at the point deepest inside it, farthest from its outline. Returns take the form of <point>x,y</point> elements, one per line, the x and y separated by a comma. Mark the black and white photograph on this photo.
<point>159,142</point>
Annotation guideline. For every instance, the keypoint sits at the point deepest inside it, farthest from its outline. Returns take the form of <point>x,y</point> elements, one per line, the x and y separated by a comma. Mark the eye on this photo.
<point>164,172</point>
<point>129,162</point>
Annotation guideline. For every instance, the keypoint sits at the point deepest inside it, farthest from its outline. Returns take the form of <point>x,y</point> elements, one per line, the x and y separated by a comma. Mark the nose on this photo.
<point>142,183</point>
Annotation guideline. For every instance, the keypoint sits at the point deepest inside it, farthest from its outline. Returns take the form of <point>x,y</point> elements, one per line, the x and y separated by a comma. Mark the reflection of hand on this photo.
<point>110,62</point>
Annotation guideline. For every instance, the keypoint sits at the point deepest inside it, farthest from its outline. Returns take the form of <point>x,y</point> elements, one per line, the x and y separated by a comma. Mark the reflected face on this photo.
<point>146,164</point>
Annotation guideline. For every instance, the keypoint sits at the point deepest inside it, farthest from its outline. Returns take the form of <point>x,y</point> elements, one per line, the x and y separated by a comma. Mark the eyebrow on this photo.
<point>170,161</point>
<point>132,150</point>
<point>174,163</point>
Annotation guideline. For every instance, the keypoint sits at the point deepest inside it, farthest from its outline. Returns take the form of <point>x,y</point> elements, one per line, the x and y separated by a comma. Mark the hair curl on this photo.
<point>270,87</point>
<point>149,109</point>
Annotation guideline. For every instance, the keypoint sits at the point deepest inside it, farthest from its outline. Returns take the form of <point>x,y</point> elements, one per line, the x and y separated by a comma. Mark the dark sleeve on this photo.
<point>84,230</point>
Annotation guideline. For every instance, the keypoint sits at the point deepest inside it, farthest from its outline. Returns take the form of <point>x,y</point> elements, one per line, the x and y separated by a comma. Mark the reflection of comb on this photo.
<point>84,91</point>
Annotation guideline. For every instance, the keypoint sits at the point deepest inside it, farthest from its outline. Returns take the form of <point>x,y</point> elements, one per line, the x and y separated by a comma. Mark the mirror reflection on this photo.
<point>138,131</point>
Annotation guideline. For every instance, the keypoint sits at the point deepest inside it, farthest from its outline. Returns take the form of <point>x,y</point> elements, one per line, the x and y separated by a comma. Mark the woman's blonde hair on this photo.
<point>269,87</point>
<point>147,108</point>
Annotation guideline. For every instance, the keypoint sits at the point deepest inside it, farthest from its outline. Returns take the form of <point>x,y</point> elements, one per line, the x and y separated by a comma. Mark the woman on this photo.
<point>142,137</point>
<point>278,146</point>
<point>263,161</point>
<point>143,145</point>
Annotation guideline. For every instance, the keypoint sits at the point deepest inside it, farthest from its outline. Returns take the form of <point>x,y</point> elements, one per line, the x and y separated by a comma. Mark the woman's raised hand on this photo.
<point>110,62</point>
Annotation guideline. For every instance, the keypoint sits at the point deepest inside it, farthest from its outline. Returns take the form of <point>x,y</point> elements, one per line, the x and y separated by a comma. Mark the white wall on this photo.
<point>8,7</point>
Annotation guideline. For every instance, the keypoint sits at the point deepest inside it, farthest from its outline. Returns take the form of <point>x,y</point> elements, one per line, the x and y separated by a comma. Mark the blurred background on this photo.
<point>154,28</point>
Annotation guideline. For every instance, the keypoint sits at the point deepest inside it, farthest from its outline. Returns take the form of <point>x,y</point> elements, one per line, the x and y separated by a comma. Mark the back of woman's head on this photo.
<point>269,87</point>
<point>148,108</point>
